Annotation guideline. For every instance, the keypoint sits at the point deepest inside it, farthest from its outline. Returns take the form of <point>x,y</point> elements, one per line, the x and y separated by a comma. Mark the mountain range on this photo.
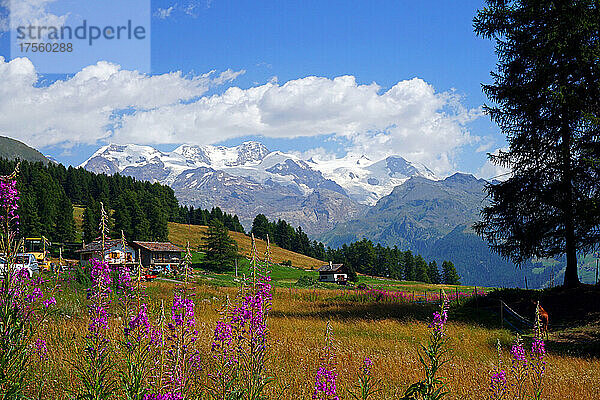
<point>250,179</point>
<point>391,201</point>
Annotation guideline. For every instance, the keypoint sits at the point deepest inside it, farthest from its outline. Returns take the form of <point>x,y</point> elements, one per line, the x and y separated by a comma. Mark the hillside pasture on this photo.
<point>180,234</point>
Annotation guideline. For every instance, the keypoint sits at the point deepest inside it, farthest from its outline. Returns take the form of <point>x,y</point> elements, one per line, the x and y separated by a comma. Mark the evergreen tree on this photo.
<point>122,216</point>
<point>29,221</point>
<point>139,222</point>
<point>433,272</point>
<point>421,270</point>
<point>157,218</point>
<point>65,225</point>
<point>91,219</point>
<point>260,227</point>
<point>396,271</point>
<point>547,95</point>
<point>409,266</point>
<point>450,275</point>
<point>219,248</point>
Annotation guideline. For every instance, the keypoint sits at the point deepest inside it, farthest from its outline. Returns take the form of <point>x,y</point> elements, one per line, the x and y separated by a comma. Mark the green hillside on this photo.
<point>13,149</point>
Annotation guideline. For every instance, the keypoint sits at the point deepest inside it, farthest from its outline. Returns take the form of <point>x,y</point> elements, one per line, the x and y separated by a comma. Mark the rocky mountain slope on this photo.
<point>249,179</point>
<point>434,219</point>
<point>13,149</point>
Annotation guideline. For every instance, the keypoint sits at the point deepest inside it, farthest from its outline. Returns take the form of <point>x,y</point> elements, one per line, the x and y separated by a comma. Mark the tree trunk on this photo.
<point>571,277</point>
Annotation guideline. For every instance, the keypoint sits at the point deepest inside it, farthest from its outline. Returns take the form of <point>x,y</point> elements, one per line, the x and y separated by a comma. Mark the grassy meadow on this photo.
<point>179,234</point>
<point>388,333</point>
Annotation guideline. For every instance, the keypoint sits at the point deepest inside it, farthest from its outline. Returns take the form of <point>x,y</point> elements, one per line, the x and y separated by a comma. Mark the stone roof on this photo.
<point>96,246</point>
<point>331,267</point>
<point>158,246</point>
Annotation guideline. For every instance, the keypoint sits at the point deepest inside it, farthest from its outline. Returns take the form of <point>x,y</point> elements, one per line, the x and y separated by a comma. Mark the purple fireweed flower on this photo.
<point>518,352</point>
<point>182,311</point>
<point>98,309</point>
<point>440,318</point>
<point>519,368</point>
<point>367,364</point>
<point>498,388</point>
<point>50,301</point>
<point>538,348</point>
<point>325,386</point>
<point>182,359</point>
<point>40,349</point>
<point>9,198</point>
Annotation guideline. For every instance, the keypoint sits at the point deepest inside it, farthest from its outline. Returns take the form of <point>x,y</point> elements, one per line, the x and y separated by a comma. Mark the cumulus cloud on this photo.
<point>106,103</point>
<point>29,12</point>
<point>88,106</point>
<point>409,119</point>
<point>491,171</point>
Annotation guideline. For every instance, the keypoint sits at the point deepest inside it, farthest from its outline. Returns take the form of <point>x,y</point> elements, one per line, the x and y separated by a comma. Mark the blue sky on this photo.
<point>382,42</point>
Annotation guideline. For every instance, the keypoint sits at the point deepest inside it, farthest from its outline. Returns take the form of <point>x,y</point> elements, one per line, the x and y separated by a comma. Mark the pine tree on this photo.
<point>157,219</point>
<point>433,272</point>
<point>421,270</point>
<point>409,266</point>
<point>29,221</point>
<point>450,275</point>
<point>260,227</point>
<point>65,225</point>
<point>547,95</point>
<point>140,223</point>
<point>91,218</point>
<point>122,216</point>
<point>219,248</point>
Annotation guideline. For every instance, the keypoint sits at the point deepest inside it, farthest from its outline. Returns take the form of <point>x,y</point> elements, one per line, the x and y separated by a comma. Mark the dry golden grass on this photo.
<point>180,233</point>
<point>389,334</point>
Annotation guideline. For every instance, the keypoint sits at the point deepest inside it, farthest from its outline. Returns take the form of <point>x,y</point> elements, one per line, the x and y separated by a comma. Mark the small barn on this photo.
<point>158,256</point>
<point>335,273</point>
<point>114,252</point>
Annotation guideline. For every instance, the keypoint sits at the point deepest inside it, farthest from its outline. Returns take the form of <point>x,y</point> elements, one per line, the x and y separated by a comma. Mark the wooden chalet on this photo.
<point>114,252</point>
<point>158,256</point>
<point>334,273</point>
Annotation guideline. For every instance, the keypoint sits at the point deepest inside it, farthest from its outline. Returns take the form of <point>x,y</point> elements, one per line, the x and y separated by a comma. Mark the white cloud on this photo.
<point>491,171</point>
<point>164,13</point>
<point>409,119</point>
<point>29,12</point>
<point>82,108</point>
<point>190,8</point>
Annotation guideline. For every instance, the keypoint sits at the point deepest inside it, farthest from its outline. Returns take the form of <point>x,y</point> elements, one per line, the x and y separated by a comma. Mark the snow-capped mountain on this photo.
<point>367,181</point>
<point>249,179</point>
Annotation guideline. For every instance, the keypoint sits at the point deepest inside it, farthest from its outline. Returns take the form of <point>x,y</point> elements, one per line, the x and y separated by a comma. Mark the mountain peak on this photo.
<point>461,177</point>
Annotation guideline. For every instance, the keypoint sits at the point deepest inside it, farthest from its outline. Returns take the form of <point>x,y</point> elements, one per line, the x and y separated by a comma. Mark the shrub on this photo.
<point>306,281</point>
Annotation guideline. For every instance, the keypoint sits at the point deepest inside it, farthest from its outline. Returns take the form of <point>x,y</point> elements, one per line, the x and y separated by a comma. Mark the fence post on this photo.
<point>413,296</point>
<point>426,296</point>
<point>457,301</point>
<point>501,315</point>
<point>441,300</point>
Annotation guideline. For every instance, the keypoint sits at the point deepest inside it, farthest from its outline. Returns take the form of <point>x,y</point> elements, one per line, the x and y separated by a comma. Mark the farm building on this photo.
<point>114,253</point>
<point>333,273</point>
<point>158,256</point>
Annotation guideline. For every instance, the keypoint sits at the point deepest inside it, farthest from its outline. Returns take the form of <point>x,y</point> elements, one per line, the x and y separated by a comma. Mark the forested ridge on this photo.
<point>138,208</point>
<point>360,257</point>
